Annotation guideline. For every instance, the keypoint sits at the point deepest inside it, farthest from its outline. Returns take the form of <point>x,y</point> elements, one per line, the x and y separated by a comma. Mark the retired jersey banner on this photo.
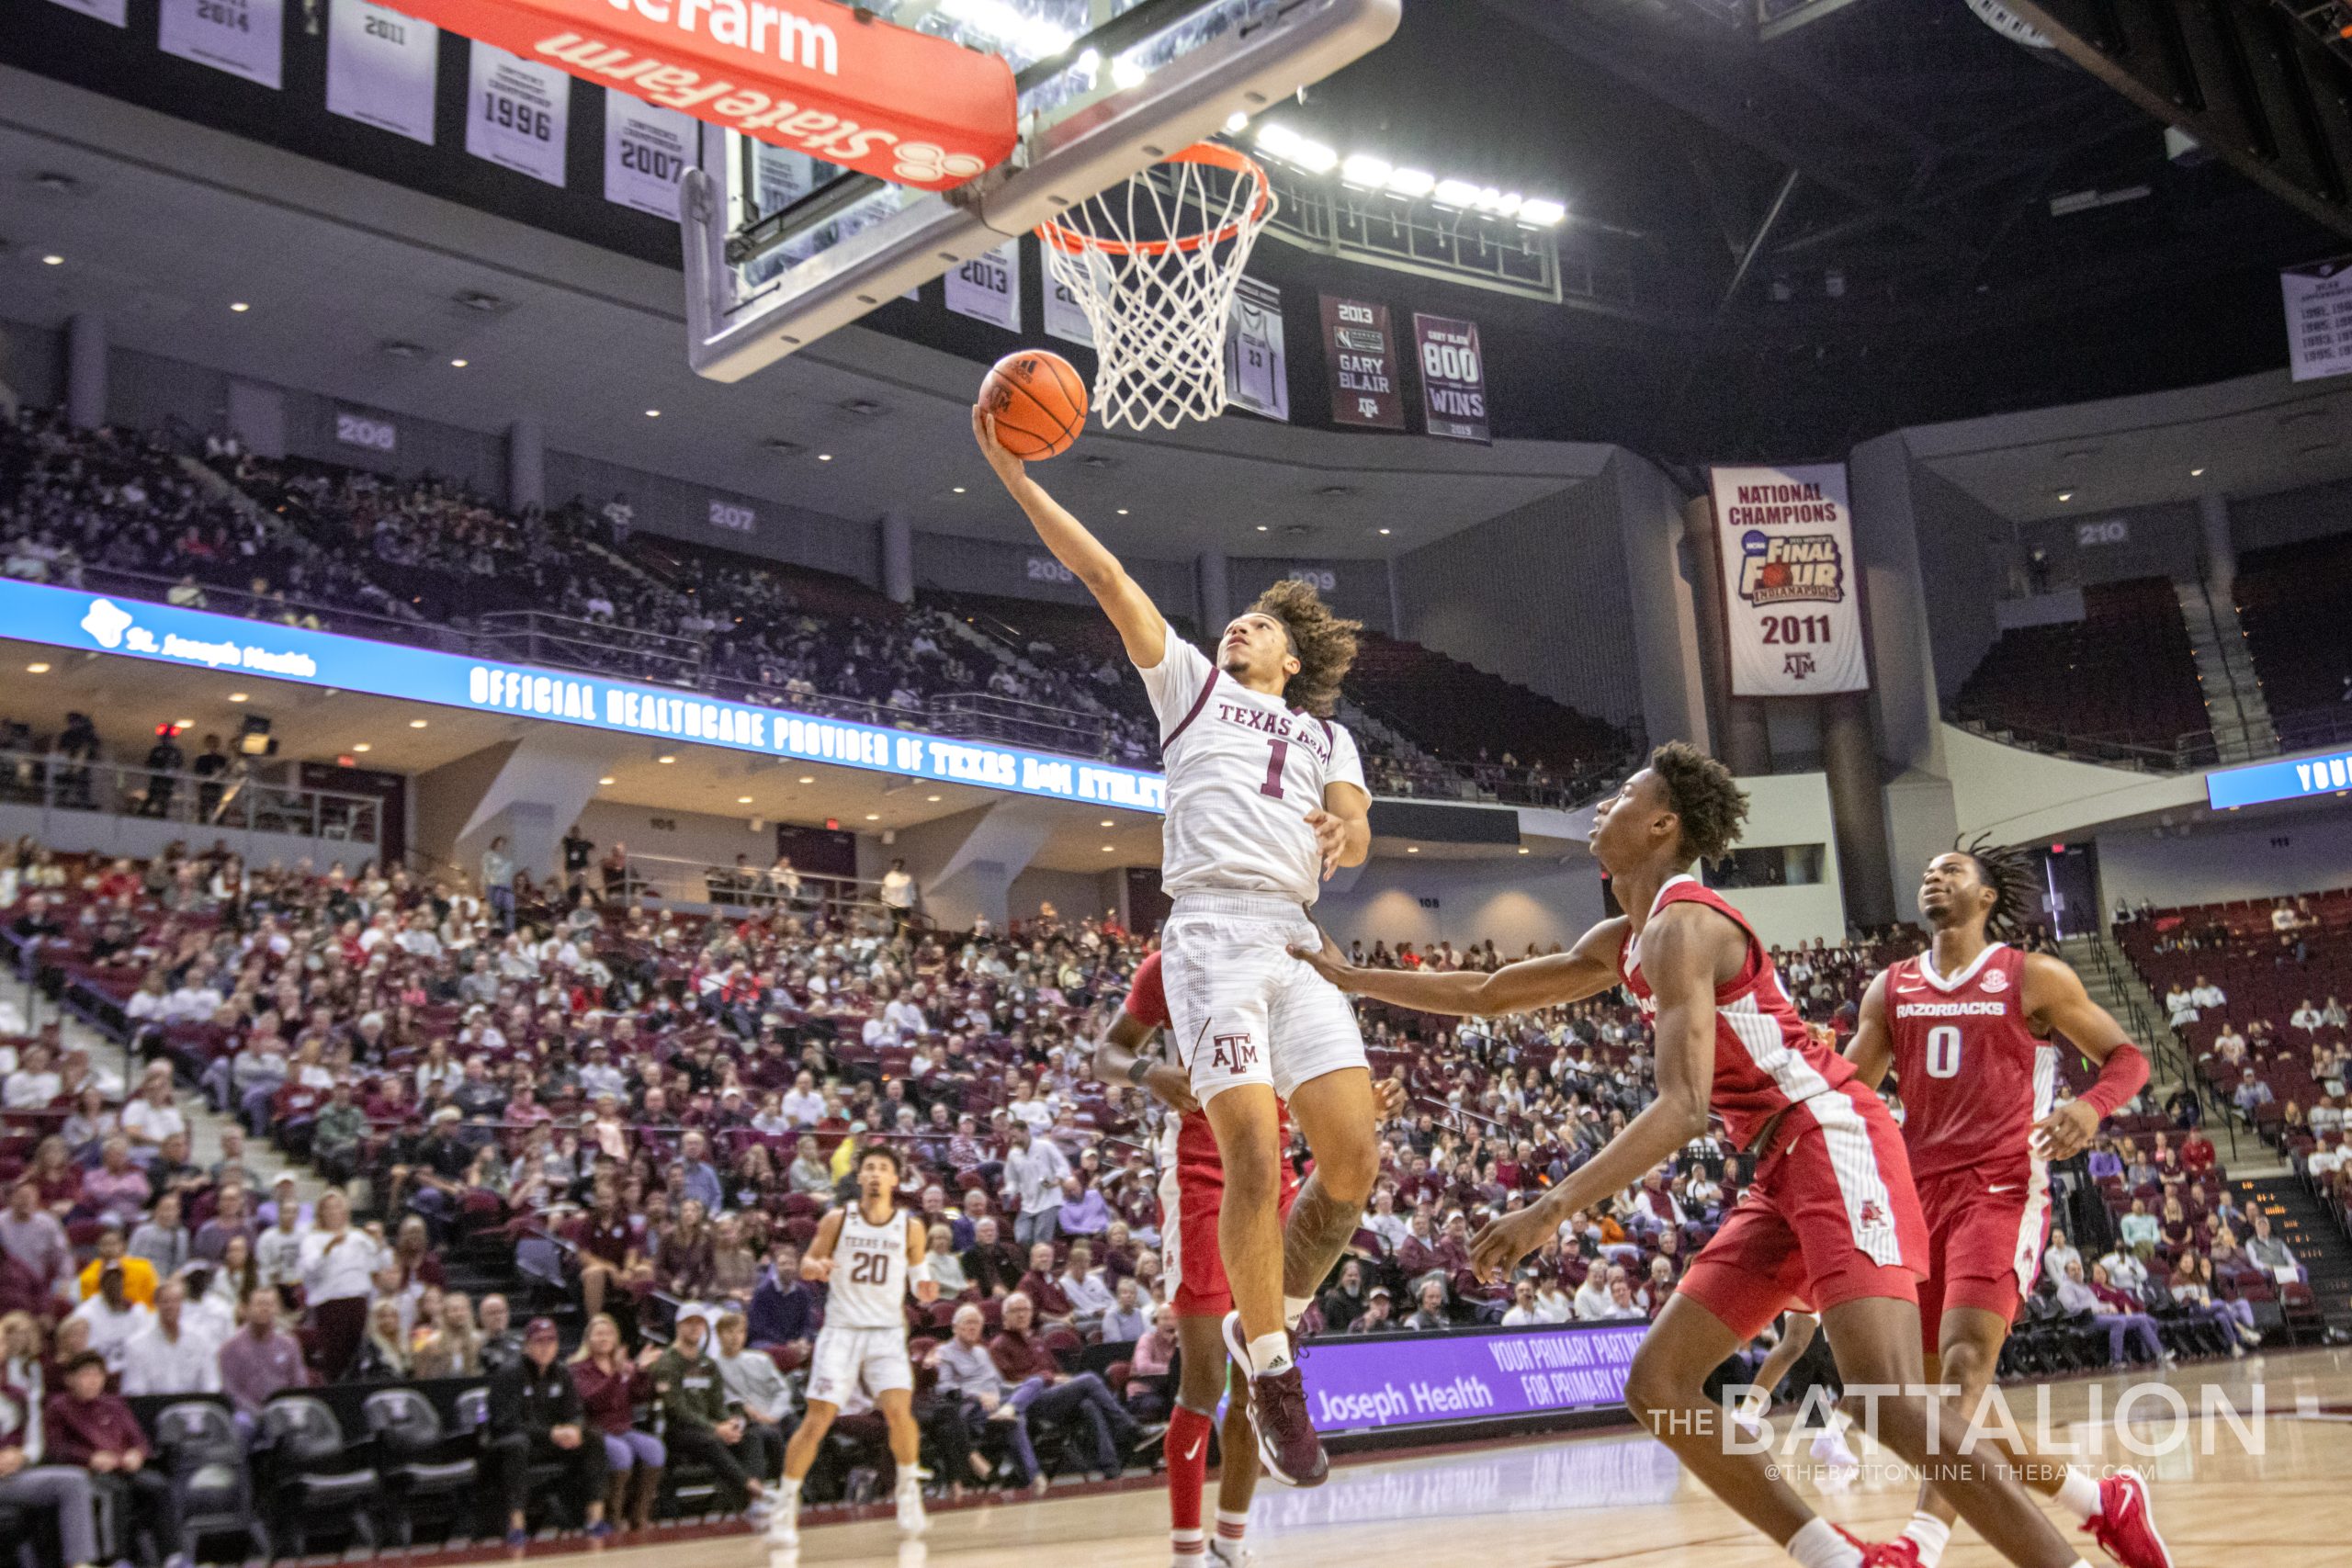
<point>2319,318</point>
<point>1257,376</point>
<point>1361,353</point>
<point>647,151</point>
<point>381,68</point>
<point>1786,540</point>
<point>244,38</point>
<point>1064,317</point>
<point>1453,378</point>
<point>518,113</point>
<point>988,287</point>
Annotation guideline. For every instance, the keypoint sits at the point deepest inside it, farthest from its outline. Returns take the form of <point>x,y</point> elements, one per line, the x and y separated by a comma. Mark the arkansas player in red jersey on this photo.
<point>1192,1189</point>
<point>1967,1027</point>
<point>1832,1219</point>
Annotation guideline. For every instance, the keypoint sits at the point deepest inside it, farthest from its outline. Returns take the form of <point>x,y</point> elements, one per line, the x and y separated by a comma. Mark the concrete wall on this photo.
<point>2212,859</point>
<point>1074,894</point>
<point>1965,553</point>
<point>681,509</point>
<point>1026,570</point>
<point>1515,901</point>
<point>33,363</point>
<point>2019,796</point>
<point>2289,515</point>
<point>1357,589</point>
<point>1793,810</point>
<point>1539,595</point>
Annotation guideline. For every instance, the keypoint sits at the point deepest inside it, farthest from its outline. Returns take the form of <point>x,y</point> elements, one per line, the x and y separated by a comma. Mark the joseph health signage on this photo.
<point>65,618</point>
<point>2303,778</point>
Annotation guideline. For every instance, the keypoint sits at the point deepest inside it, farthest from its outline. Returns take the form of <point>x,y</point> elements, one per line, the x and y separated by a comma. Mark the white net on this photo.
<point>1153,261</point>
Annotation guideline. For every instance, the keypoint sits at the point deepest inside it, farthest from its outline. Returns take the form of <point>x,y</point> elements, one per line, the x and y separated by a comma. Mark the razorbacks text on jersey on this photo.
<point>1974,1078</point>
<point>1243,772</point>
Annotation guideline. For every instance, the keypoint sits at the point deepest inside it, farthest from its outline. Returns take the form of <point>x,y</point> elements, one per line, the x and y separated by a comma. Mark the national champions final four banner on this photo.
<point>135,628</point>
<point>1786,540</point>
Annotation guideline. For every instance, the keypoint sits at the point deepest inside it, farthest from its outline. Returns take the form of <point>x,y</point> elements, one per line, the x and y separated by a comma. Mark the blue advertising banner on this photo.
<point>65,618</point>
<point>1380,1384</point>
<point>2330,773</point>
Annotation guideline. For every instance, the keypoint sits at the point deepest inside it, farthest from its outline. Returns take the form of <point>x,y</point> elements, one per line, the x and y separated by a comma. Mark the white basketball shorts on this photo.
<point>847,1356</point>
<point>1241,1009</point>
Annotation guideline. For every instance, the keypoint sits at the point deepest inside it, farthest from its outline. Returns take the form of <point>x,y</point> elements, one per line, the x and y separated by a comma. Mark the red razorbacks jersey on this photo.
<point>1193,1149</point>
<point>1974,1077</point>
<point>1765,1060</point>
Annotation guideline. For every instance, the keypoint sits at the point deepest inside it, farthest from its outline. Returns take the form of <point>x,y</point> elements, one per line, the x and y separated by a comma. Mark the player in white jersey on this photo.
<point>1266,798</point>
<point>864,1341</point>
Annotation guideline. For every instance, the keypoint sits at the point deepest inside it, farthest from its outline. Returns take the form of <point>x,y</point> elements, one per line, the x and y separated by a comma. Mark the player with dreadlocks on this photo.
<point>1968,1029</point>
<point>1831,1220</point>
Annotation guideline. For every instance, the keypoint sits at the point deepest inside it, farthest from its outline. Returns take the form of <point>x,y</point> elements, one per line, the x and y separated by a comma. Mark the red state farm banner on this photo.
<point>807,74</point>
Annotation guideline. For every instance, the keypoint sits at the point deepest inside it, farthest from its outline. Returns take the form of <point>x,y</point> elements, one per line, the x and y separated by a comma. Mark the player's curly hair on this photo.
<point>1703,793</point>
<point>878,1150</point>
<point>1324,642</point>
<point>2008,871</point>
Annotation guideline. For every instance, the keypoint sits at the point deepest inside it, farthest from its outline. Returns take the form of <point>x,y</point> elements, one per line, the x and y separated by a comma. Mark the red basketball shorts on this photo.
<point>1190,1196</point>
<point>1831,1218</point>
<point>1986,1228</point>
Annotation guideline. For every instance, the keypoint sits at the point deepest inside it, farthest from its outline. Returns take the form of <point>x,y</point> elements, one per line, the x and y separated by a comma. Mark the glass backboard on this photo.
<point>781,248</point>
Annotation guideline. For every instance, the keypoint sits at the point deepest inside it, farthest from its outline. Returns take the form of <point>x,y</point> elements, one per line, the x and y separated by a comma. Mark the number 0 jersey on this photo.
<point>1974,1077</point>
<point>1243,772</point>
<point>867,1287</point>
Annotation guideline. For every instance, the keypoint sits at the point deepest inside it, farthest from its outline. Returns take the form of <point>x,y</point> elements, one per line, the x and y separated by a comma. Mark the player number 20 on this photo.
<point>869,1268</point>
<point>1943,1051</point>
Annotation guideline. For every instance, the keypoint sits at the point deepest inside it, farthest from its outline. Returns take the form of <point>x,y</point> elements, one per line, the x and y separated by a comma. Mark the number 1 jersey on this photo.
<point>1243,772</point>
<point>1974,1077</point>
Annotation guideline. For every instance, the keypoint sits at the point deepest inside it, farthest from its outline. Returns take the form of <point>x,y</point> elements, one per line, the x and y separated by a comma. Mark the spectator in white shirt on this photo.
<point>2058,1253</point>
<point>2178,1008</point>
<point>1523,1312</point>
<point>114,1318</point>
<point>2205,993</point>
<point>1385,1222</point>
<point>155,1114</point>
<point>802,1105</point>
<point>1592,1301</point>
<point>2307,1018</point>
<point>34,1084</point>
<point>197,999</point>
<point>1090,1298</point>
<point>1552,1303</point>
<point>1033,1172</point>
<point>2125,1271</point>
<point>169,1356</point>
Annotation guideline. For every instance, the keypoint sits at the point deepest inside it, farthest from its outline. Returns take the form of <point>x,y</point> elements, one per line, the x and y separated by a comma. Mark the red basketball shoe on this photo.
<point>1288,1443</point>
<point>2126,1527</point>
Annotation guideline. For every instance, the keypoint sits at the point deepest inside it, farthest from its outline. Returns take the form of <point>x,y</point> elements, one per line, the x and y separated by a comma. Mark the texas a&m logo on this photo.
<point>1232,1053</point>
<point>1797,666</point>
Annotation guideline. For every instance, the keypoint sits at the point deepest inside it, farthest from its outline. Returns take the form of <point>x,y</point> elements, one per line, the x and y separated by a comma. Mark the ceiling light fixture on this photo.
<point>37,668</point>
<point>2065,495</point>
<point>1412,848</point>
<point>874,817</point>
<point>653,414</point>
<point>666,757</point>
<point>363,746</point>
<point>959,489</point>
<point>1411,184</point>
<point>606,779</point>
<point>241,307</point>
<point>742,800</point>
<point>805,779</point>
<point>1388,530</point>
<point>1123,512</point>
<point>824,457</point>
<point>52,261</point>
<point>237,696</point>
<point>2196,473</point>
<point>932,798</point>
<point>456,364</point>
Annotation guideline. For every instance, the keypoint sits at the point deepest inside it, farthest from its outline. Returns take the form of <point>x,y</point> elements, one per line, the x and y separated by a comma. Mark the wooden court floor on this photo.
<point>2281,1496</point>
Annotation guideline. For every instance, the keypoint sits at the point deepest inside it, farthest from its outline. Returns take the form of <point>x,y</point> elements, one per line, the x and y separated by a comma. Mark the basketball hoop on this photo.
<point>1153,261</point>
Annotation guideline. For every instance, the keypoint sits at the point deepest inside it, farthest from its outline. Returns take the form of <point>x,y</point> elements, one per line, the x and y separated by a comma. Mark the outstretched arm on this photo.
<point>1683,950</point>
<point>1585,970</point>
<point>1871,1050</point>
<point>1140,624</point>
<point>2055,999</point>
<point>1119,1056</point>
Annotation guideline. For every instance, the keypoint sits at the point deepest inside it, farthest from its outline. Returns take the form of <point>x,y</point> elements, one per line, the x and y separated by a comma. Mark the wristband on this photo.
<point>1140,1069</point>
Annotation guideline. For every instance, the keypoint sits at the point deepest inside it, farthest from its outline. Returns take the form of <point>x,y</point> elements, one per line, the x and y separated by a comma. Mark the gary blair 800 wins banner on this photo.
<point>1786,540</point>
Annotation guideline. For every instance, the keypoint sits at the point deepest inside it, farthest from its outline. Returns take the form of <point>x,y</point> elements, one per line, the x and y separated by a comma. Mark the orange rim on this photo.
<point>1217,155</point>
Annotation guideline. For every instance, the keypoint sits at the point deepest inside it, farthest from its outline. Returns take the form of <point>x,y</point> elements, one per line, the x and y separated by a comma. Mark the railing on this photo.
<point>2145,1028</point>
<point>278,608</point>
<point>232,801</point>
<point>535,636</point>
<point>683,881</point>
<point>2197,750</point>
<point>984,715</point>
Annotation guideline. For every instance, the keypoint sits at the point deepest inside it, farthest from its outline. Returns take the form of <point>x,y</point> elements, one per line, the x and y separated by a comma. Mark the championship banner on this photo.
<point>1064,320</point>
<point>820,78</point>
<point>1786,540</point>
<point>517,113</point>
<point>1361,353</point>
<point>1453,378</point>
<point>988,287</point>
<point>2318,317</point>
<point>381,68</point>
<point>244,38</point>
<point>647,151</point>
<point>114,13</point>
<point>1256,375</point>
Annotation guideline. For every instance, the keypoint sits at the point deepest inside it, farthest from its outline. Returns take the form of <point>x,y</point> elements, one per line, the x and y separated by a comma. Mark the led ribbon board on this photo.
<point>65,618</point>
<point>836,83</point>
<point>2301,779</point>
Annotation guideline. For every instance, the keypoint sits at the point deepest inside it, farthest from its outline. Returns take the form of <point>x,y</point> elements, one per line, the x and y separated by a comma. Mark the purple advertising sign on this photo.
<point>1368,1384</point>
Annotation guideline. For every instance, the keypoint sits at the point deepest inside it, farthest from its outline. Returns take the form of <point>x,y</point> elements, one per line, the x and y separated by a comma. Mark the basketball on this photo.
<point>1038,399</point>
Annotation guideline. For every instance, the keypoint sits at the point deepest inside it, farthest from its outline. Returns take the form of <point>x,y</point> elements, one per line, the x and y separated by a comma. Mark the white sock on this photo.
<point>1231,1526</point>
<point>1187,1546</point>
<point>1930,1535</point>
<point>1269,1353</point>
<point>2078,1494</point>
<point>1820,1546</point>
<point>1295,1308</point>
